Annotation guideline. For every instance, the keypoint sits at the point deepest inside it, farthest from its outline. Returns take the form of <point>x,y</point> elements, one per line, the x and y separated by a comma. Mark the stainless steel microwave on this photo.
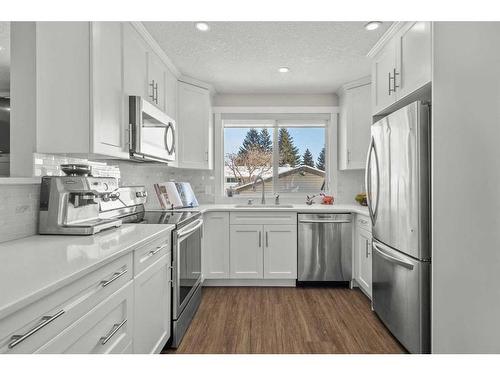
<point>151,132</point>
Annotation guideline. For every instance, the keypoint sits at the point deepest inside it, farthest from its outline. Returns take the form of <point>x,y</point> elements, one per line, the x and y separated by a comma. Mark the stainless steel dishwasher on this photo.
<point>324,249</point>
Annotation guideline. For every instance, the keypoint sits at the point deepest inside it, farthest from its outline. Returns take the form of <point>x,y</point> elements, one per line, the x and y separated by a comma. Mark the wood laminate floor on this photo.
<point>286,320</point>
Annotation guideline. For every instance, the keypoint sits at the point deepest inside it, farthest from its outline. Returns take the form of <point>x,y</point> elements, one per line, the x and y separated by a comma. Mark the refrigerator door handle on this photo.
<point>391,258</point>
<point>375,211</point>
<point>368,180</point>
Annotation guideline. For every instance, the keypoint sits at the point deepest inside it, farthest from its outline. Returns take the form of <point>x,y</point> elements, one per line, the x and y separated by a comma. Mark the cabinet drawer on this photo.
<point>105,329</point>
<point>150,252</point>
<point>363,222</point>
<point>284,218</point>
<point>41,321</point>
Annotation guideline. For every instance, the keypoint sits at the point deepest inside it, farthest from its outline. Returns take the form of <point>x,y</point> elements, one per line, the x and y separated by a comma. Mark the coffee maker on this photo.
<point>71,204</point>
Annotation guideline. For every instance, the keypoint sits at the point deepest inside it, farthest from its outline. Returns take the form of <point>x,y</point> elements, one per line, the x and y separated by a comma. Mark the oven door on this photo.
<point>152,132</point>
<point>186,264</point>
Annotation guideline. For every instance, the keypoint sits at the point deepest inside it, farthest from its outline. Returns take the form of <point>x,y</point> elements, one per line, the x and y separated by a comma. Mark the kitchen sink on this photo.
<point>257,206</point>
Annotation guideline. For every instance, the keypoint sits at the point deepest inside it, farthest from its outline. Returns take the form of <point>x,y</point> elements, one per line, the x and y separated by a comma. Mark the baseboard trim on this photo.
<point>249,282</point>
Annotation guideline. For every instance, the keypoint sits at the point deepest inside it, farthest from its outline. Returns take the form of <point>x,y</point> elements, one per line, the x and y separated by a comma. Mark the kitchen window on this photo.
<point>289,155</point>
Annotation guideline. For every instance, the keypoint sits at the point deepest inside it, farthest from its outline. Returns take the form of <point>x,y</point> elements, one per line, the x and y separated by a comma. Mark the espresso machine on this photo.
<point>71,204</point>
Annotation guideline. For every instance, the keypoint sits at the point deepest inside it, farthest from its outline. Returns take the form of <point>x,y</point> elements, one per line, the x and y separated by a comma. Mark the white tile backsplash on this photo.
<point>19,211</point>
<point>19,203</point>
<point>349,184</point>
<point>147,174</point>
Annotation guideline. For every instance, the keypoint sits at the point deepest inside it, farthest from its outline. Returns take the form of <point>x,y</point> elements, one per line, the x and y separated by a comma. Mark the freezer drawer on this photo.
<point>401,296</point>
<point>324,248</point>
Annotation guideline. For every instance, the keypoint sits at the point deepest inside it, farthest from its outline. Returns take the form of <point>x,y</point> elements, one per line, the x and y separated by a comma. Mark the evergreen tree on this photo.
<point>320,163</point>
<point>289,154</point>
<point>252,140</point>
<point>265,142</point>
<point>307,158</point>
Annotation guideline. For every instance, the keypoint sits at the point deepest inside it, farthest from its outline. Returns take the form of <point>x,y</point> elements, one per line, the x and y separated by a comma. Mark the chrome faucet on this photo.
<point>276,199</point>
<point>259,177</point>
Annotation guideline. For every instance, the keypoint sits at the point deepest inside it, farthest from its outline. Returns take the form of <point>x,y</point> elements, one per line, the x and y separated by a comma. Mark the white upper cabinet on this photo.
<point>157,76</point>
<point>109,134</point>
<point>135,63</point>
<point>171,94</point>
<point>414,57</point>
<point>145,73</point>
<point>79,88</point>
<point>383,67</point>
<point>401,63</point>
<point>354,124</point>
<point>194,127</point>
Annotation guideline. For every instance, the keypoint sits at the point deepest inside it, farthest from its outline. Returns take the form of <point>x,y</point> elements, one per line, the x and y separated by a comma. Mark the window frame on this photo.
<point>262,115</point>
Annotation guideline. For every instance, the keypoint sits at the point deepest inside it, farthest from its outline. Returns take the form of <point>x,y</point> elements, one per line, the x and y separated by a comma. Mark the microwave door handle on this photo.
<point>368,180</point>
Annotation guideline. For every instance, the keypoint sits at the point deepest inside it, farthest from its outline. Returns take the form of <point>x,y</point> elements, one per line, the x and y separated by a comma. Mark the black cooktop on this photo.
<point>177,217</point>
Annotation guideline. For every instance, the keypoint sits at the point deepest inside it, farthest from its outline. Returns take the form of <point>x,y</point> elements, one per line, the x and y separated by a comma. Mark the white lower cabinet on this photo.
<point>105,329</point>
<point>122,307</point>
<point>216,245</point>
<point>246,253</point>
<point>152,292</point>
<point>280,251</point>
<point>263,251</point>
<point>363,255</point>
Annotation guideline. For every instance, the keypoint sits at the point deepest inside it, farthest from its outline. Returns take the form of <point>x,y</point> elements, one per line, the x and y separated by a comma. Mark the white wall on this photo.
<point>275,100</point>
<point>466,188</point>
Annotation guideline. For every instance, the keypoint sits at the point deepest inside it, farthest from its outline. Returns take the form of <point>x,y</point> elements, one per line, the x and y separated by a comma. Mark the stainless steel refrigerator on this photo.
<point>397,185</point>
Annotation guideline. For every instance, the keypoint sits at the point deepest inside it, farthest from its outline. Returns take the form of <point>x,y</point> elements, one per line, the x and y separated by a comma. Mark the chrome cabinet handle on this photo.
<point>348,157</point>
<point>152,84</point>
<point>159,248</point>
<point>366,249</point>
<point>156,91</point>
<point>267,239</point>
<point>395,86</point>
<point>260,239</point>
<point>115,276</point>
<point>113,331</point>
<point>45,320</point>
<point>390,79</point>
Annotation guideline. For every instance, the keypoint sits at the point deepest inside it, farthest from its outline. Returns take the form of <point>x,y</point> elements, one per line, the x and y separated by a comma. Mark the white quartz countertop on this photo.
<point>333,208</point>
<point>32,267</point>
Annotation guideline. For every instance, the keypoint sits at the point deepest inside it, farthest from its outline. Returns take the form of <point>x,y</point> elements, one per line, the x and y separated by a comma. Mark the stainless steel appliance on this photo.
<point>324,248</point>
<point>71,204</point>
<point>397,184</point>
<point>186,258</point>
<point>151,132</point>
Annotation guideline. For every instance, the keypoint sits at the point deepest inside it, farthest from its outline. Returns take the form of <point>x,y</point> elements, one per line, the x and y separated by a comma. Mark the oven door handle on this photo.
<point>185,233</point>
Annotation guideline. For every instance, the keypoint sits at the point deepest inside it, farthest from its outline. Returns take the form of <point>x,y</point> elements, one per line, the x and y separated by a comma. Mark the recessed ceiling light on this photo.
<point>202,26</point>
<point>373,25</point>
<point>283,69</point>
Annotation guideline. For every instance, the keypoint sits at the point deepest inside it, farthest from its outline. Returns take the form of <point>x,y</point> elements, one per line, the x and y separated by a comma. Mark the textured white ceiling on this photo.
<point>243,57</point>
<point>4,56</point>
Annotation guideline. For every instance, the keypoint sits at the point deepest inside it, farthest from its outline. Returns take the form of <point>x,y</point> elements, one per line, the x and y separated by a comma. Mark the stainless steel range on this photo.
<point>186,254</point>
<point>186,263</point>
